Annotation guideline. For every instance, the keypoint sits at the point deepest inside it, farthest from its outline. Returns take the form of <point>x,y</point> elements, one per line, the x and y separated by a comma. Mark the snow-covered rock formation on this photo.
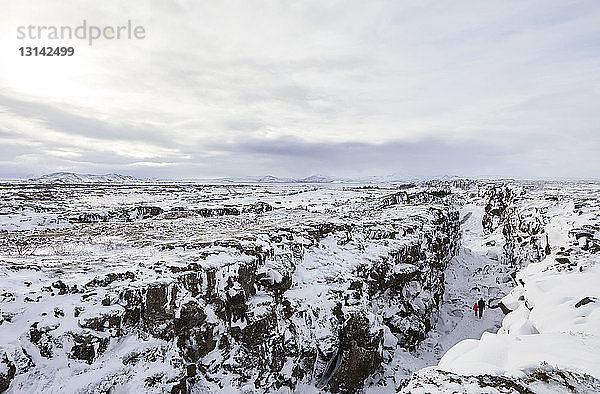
<point>299,288</point>
<point>74,178</point>
<point>549,340</point>
<point>217,288</point>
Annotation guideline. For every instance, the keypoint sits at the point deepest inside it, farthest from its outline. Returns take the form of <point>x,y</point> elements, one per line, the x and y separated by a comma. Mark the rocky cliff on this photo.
<point>548,341</point>
<point>190,298</point>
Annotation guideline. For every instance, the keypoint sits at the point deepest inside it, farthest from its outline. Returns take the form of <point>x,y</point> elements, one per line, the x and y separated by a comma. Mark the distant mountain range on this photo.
<point>275,179</point>
<point>75,178</point>
<point>375,179</point>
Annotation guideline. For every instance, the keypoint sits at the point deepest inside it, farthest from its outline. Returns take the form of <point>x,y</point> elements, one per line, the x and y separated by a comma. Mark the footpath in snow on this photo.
<point>473,273</point>
<point>549,342</point>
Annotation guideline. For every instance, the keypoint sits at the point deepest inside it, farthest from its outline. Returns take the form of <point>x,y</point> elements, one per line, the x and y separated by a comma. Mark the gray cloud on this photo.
<point>421,158</point>
<point>66,121</point>
<point>290,88</point>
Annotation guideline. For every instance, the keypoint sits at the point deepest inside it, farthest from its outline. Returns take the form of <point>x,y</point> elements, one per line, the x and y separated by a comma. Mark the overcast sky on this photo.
<point>292,88</point>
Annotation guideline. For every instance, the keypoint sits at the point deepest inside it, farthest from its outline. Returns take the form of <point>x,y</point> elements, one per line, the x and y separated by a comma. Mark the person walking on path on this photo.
<point>480,307</point>
<point>475,307</point>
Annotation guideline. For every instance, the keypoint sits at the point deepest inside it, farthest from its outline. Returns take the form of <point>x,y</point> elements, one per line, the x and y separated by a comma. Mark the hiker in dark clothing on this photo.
<point>480,307</point>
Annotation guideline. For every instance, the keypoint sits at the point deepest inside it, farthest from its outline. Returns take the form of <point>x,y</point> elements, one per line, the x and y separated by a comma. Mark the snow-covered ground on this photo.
<point>550,342</point>
<point>220,287</point>
<point>299,288</point>
<point>475,272</point>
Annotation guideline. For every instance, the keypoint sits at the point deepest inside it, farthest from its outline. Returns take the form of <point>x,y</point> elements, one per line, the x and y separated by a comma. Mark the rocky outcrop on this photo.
<point>128,215</point>
<point>142,212</point>
<point>89,217</point>
<point>210,212</point>
<point>499,199</point>
<point>7,371</point>
<point>549,233</point>
<point>522,225</point>
<point>542,379</point>
<point>358,355</point>
<point>243,297</point>
<point>257,207</point>
<point>146,212</point>
<point>526,238</point>
<point>421,197</point>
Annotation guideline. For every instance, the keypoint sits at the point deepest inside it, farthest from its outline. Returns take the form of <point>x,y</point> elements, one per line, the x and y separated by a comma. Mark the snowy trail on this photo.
<point>474,272</point>
<point>549,341</point>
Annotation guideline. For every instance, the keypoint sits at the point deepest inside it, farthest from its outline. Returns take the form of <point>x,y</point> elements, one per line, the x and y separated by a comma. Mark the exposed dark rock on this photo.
<point>7,371</point>
<point>41,337</point>
<point>273,283</point>
<point>61,286</point>
<point>194,336</point>
<point>560,379</point>
<point>89,217</point>
<point>87,346</point>
<point>109,320</point>
<point>443,381</point>
<point>143,212</point>
<point>584,301</point>
<point>110,278</point>
<point>503,308</point>
<point>358,356</point>
<point>247,307</point>
<point>210,212</point>
<point>59,312</point>
<point>258,207</point>
<point>499,198</point>
<point>158,311</point>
